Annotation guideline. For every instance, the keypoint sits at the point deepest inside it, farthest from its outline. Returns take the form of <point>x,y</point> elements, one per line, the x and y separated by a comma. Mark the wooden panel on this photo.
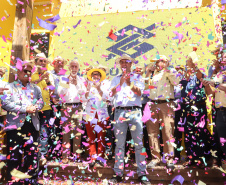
<point>21,33</point>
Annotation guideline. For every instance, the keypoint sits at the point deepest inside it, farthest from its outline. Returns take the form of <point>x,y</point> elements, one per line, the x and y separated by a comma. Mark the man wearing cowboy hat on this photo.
<point>71,91</point>
<point>22,103</point>
<point>126,90</point>
<point>97,94</point>
<point>44,80</point>
<point>161,96</point>
<point>58,64</point>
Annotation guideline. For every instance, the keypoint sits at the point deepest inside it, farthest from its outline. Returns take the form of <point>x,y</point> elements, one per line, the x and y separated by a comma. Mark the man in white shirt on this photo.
<point>127,89</point>
<point>70,90</point>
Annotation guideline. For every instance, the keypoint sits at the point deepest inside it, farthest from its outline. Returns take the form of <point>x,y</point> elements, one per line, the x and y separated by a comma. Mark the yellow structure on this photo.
<point>99,17</point>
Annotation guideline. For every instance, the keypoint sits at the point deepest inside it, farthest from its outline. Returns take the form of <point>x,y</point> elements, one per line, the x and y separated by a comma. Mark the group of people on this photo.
<point>48,111</point>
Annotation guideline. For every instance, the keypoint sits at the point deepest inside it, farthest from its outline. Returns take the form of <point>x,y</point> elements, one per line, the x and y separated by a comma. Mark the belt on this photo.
<point>161,101</point>
<point>73,103</point>
<point>128,108</point>
<point>197,103</point>
<point>222,109</point>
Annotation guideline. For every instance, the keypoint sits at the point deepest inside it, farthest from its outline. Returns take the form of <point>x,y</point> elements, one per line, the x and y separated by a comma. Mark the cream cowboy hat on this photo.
<point>124,57</point>
<point>42,56</point>
<point>59,58</point>
<point>161,57</point>
<point>104,67</point>
<point>89,73</point>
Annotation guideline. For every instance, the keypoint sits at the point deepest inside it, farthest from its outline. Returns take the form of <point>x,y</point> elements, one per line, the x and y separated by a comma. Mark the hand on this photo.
<point>123,79</point>
<point>72,80</point>
<point>190,63</point>
<point>97,85</point>
<point>2,90</point>
<point>150,70</point>
<point>88,86</point>
<point>45,77</point>
<point>207,82</point>
<point>128,79</point>
<point>31,109</point>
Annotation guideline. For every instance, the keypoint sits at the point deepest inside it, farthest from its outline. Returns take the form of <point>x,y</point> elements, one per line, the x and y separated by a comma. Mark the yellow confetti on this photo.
<point>133,128</point>
<point>1,165</point>
<point>19,174</point>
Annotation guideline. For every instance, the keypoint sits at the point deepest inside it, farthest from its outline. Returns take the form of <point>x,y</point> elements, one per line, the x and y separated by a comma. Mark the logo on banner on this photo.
<point>126,42</point>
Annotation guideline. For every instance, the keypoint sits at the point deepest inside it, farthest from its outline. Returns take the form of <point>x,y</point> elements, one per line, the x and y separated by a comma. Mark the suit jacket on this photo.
<point>13,103</point>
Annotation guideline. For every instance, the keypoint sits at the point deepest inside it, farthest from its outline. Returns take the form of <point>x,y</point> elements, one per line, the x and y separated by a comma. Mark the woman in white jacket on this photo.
<point>98,92</point>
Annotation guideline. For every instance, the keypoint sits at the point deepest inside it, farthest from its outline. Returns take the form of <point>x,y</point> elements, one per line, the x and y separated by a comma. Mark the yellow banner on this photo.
<point>143,35</point>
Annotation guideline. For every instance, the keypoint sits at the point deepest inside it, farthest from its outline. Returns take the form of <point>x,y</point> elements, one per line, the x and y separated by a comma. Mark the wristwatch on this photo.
<point>196,68</point>
<point>216,84</point>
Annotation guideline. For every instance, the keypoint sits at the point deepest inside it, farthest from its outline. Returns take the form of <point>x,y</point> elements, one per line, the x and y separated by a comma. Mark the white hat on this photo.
<point>161,57</point>
<point>124,57</point>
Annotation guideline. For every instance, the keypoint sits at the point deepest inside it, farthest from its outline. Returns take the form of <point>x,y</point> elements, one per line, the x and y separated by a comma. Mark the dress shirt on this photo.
<point>192,90</point>
<point>71,93</point>
<point>45,90</point>
<point>125,97</point>
<point>96,103</point>
<point>56,78</point>
<point>16,100</point>
<point>163,84</point>
<point>220,96</point>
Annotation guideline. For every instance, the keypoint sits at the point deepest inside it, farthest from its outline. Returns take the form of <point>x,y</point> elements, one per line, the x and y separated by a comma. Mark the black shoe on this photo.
<point>32,182</point>
<point>115,180</point>
<point>144,180</point>
<point>170,165</point>
<point>92,164</point>
<point>100,163</point>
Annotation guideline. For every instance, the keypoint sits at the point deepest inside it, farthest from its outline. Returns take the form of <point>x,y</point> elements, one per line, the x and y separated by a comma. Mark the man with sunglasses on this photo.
<point>127,89</point>
<point>22,102</point>
<point>45,81</point>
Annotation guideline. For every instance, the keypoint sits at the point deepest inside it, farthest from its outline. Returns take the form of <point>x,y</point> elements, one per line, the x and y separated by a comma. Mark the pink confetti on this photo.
<point>123,31</point>
<point>62,72</point>
<point>20,2</point>
<point>144,57</point>
<point>181,129</point>
<point>3,37</point>
<point>85,144</point>
<point>147,114</point>
<point>3,18</point>
<point>178,25</point>
<point>81,131</point>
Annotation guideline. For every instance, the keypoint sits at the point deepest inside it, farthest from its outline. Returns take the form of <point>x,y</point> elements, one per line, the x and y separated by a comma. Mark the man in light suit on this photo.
<point>22,102</point>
